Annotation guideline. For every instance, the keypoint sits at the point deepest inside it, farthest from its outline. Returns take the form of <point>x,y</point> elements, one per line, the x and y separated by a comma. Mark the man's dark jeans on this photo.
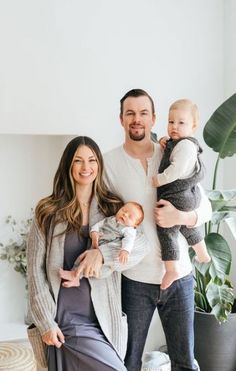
<point>176,309</point>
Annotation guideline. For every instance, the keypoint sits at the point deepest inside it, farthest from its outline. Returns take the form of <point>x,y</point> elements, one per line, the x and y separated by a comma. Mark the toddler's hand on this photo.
<point>163,141</point>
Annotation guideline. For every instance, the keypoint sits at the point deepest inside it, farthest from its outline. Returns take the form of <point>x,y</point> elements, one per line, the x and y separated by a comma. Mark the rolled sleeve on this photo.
<point>204,211</point>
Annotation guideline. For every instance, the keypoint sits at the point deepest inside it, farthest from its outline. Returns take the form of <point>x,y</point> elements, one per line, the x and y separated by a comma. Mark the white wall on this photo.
<point>64,66</point>
<point>26,166</point>
<point>230,88</point>
<point>229,47</point>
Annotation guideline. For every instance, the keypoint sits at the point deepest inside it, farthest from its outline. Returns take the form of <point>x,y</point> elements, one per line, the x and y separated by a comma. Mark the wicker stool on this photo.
<point>16,357</point>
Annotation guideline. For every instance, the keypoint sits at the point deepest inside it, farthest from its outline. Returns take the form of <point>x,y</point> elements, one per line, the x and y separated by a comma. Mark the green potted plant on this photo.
<point>14,251</point>
<point>214,297</point>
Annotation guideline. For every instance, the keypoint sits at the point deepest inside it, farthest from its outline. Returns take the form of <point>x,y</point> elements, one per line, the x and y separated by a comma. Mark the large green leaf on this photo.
<point>201,267</point>
<point>220,130</point>
<point>201,283</point>
<point>154,137</point>
<point>220,298</point>
<point>219,294</point>
<point>220,253</point>
<point>221,258</point>
<point>221,311</point>
<point>220,198</point>
<point>201,303</point>
<point>225,213</point>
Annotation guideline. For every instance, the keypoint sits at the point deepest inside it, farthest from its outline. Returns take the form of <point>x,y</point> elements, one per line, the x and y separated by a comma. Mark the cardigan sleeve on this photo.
<point>42,306</point>
<point>204,211</point>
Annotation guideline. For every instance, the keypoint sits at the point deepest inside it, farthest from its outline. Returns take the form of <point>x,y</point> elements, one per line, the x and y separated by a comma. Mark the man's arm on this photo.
<point>204,211</point>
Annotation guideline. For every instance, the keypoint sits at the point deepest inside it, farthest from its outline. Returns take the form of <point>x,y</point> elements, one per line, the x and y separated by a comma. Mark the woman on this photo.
<point>79,328</point>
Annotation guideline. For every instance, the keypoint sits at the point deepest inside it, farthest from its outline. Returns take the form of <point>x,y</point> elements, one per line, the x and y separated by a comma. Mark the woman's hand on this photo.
<point>54,337</point>
<point>90,266</point>
<point>167,216</point>
<point>90,263</point>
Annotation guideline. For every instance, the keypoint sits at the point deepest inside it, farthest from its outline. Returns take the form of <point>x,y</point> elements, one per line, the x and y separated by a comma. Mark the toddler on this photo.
<point>180,170</point>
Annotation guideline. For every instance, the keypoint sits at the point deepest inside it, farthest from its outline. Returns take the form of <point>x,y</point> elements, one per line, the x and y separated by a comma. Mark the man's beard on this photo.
<point>136,137</point>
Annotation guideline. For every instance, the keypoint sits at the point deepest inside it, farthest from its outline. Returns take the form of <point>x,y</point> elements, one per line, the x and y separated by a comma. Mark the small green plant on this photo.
<point>213,290</point>
<point>14,251</point>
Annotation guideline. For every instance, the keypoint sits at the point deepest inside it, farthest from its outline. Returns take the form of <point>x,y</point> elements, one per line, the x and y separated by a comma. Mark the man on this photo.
<point>129,171</point>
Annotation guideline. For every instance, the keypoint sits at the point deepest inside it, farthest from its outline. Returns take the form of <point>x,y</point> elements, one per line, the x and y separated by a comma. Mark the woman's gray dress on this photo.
<point>85,348</point>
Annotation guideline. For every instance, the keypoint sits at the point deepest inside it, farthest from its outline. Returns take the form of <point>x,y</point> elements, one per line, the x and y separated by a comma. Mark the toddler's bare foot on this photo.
<point>202,255</point>
<point>203,258</point>
<point>169,278</point>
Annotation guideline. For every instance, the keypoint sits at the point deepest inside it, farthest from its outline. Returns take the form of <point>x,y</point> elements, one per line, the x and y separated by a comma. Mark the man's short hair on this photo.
<point>136,93</point>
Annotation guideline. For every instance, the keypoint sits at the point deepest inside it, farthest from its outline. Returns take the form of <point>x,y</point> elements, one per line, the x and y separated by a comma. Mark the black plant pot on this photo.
<point>215,344</point>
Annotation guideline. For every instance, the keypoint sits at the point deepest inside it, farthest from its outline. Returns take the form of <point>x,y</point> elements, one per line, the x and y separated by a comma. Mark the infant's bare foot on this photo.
<point>67,275</point>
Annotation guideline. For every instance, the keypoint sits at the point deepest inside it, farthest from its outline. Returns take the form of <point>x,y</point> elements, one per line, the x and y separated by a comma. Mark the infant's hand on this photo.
<point>163,141</point>
<point>123,256</point>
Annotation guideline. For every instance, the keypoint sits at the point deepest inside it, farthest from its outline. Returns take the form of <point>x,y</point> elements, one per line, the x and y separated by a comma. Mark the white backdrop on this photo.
<point>64,66</point>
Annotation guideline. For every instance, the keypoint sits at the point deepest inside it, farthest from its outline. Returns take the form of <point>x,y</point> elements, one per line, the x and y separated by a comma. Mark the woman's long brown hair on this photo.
<point>62,205</point>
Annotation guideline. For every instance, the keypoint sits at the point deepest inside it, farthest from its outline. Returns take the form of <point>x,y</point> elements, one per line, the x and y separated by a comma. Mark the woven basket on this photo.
<point>16,357</point>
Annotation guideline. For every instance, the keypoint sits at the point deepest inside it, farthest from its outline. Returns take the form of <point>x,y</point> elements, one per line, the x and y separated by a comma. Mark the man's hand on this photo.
<point>54,337</point>
<point>167,216</point>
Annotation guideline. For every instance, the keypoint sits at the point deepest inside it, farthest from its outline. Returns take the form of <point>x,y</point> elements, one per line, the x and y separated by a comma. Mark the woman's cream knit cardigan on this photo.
<point>44,284</point>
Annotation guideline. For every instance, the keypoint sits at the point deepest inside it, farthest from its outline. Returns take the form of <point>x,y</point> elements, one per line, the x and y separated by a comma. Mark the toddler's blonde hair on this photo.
<point>187,104</point>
